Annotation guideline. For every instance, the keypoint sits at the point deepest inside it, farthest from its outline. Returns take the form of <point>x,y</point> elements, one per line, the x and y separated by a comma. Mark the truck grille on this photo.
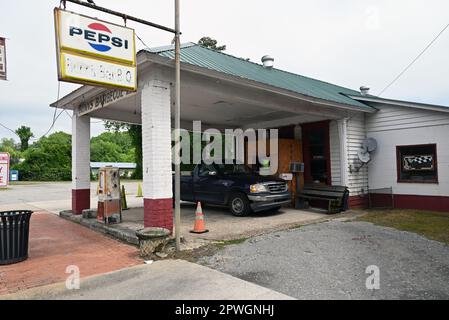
<point>277,187</point>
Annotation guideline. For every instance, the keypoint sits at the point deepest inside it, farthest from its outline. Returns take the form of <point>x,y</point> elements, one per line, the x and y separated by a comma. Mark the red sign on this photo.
<point>4,169</point>
<point>2,59</point>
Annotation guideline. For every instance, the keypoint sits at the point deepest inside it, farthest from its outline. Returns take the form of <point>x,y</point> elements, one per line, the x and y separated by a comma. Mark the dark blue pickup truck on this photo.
<point>236,186</point>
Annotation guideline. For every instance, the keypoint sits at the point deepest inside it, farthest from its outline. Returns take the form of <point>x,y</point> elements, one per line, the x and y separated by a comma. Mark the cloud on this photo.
<point>346,42</point>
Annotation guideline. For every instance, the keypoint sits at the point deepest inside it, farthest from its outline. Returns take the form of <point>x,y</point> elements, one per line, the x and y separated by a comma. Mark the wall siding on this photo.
<point>392,126</point>
<point>391,118</point>
<point>334,142</point>
<point>357,182</point>
<point>356,133</point>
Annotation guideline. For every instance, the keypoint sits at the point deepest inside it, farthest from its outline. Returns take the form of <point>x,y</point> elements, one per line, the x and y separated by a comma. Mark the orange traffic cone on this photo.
<point>199,220</point>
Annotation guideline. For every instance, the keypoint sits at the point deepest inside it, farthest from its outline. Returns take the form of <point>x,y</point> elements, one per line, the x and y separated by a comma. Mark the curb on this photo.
<point>127,236</point>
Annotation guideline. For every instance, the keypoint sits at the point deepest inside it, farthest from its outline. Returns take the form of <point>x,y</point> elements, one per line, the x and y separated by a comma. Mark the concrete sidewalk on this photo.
<point>222,225</point>
<point>162,280</point>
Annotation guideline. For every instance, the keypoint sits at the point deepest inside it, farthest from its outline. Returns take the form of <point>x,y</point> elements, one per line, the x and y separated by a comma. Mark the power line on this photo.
<point>54,114</point>
<point>142,42</point>
<point>52,125</point>
<point>55,117</point>
<point>414,60</point>
<point>1,124</point>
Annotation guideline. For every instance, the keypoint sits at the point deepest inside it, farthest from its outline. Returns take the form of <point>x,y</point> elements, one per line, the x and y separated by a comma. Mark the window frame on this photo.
<point>399,163</point>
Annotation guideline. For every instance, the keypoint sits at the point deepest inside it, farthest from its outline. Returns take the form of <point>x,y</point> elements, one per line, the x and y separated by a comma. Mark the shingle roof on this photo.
<point>197,55</point>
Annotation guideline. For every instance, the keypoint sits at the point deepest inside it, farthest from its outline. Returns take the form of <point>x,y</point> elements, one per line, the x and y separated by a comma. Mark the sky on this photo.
<point>346,42</point>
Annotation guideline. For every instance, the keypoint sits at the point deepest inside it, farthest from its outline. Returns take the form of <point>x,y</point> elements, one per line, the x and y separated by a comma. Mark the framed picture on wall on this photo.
<point>417,163</point>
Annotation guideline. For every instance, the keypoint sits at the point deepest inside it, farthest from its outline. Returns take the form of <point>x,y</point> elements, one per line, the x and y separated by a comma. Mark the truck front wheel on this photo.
<point>239,205</point>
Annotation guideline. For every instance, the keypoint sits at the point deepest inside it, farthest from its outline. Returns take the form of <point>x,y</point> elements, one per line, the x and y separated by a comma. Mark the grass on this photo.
<point>19,183</point>
<point>24,183</point>
<point>432,225</point>
<point>231,242</point>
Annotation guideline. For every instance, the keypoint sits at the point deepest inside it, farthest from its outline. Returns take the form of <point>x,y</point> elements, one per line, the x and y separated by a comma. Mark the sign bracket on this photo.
<point>119,14</point>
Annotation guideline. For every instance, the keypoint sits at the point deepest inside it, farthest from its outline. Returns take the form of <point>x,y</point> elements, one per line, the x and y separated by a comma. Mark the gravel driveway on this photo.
<point>329,260</point>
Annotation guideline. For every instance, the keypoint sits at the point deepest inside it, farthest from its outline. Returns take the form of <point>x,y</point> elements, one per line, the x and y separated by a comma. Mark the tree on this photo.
<point>49,159</point>
<point>135,132</point>
<point>210,43</point>
<point>9,145</point>
<point>112,147</point>
<point>24,134</point>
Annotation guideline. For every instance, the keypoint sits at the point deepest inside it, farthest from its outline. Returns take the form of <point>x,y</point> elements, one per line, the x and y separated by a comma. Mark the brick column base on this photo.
<point>158,213</point>
<point>80,200</point>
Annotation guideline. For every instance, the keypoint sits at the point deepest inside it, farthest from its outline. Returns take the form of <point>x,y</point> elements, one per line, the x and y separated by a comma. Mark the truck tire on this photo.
<point>239,205</point>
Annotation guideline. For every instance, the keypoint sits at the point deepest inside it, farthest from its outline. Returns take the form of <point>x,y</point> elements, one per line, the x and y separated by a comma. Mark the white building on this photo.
<point>224,91</point>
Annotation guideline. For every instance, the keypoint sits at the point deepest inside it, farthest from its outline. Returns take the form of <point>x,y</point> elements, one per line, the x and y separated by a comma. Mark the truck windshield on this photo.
<point>227,169</point>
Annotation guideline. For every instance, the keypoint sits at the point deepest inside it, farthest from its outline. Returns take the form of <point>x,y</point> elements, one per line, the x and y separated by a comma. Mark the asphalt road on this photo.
<point>329,260</point>
<point>53,196</point>
<point>48,191</point>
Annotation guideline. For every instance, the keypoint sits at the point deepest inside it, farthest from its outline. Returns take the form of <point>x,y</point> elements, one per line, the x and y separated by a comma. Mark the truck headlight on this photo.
<point>257,188</point>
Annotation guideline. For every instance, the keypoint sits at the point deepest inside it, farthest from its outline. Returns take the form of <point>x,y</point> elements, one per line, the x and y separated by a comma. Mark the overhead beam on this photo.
<point>284,122</point>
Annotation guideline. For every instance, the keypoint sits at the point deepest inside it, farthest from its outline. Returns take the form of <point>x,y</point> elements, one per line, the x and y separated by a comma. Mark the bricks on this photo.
<point>156,143</point>
<point>158,213</point>
<point>80,152</point>
<point>80,163</point>
<point>55,244</point>
<point>80,200</point>
<point>156,140</point>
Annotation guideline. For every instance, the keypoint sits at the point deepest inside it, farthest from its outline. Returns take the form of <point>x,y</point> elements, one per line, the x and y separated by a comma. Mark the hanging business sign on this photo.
<point>4,169</point>
<point>95,52</point>
<point>2,59</point>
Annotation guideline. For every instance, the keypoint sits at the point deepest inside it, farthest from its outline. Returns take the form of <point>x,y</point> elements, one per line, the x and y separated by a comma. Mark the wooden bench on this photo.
<point>336,197</point>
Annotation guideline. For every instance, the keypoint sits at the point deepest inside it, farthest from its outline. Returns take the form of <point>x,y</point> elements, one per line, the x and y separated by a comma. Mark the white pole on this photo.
<point>177,127</point>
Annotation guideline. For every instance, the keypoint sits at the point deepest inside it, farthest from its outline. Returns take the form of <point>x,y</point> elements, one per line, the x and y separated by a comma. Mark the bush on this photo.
<point>49,159</point>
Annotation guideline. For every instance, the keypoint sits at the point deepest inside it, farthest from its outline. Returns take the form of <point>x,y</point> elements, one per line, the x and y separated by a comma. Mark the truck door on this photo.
<point>187,188</point>
<point>208,186</point>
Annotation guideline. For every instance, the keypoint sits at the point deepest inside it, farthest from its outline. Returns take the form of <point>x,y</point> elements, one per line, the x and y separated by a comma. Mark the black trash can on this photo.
<point>14,234</point>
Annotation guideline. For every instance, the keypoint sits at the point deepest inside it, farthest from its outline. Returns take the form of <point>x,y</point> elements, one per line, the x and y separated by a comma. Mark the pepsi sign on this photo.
<point>99,37</point>
<point>106,49</point>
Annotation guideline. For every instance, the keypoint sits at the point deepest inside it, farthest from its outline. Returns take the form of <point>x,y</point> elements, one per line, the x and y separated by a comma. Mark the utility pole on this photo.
<point>177,128</point>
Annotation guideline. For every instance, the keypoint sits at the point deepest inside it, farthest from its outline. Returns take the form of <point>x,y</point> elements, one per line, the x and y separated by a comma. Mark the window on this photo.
<point>417,163</point>
<point>205,169</point>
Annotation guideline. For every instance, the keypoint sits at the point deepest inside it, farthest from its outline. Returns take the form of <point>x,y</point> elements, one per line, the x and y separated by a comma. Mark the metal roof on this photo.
<point>410,104</point>
<point>197,55</point>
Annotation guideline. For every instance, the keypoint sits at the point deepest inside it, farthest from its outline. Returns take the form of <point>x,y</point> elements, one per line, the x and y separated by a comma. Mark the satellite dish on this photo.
<point>369,144</point>
<point>363,155</point>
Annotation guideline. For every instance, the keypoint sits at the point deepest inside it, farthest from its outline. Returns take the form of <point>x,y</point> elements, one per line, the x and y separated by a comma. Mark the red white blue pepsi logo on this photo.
<point>99,27</point>
<point>99,37</point>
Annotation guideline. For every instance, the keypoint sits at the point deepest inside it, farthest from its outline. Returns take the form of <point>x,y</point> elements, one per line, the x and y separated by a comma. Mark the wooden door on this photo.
<point>316,150</point>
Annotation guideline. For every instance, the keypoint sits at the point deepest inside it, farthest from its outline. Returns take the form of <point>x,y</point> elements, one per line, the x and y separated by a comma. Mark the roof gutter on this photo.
<point>401,103</point>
